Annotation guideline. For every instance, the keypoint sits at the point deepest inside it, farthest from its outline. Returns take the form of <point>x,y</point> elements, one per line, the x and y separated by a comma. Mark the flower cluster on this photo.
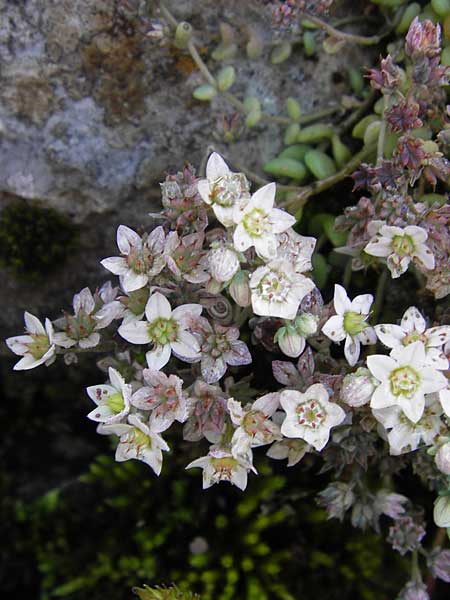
<point>405,223</point>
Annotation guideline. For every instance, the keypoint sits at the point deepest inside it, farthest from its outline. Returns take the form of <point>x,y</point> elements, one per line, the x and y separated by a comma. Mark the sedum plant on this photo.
<point>224,284</point>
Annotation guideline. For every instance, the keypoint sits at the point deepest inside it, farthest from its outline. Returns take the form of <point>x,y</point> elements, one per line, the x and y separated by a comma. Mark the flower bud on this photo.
<point>357,388</point>
<point>223,263</point>
<point>240,289</point>
<point>291,343</point>
<point>306,324</point>
<point>441,512</point>
<point>442,459</point>
<point>440,565</point>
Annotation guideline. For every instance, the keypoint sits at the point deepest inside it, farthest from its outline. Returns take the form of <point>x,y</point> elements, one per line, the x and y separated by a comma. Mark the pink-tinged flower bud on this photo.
<point>240,289</point>
<point>441,512</point>
<point>414,590</point>
<point>357,388</point>
<point>290,342</point>
<point>306,324</point>
<point>423,38</point>
<point>223,263</point>
<point>440,565</point>
<point>442,459</point>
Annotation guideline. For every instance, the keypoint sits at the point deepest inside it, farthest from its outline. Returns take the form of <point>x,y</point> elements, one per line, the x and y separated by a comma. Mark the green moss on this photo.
<point>34,240</point>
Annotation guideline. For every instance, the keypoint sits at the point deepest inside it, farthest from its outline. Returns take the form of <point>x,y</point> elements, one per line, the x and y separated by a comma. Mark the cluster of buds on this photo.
<point>403,224</point>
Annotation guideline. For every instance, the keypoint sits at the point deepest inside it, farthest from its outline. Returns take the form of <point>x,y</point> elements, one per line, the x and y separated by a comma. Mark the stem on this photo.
<point>379,295</point>
<point>347,274</point>
<point>200,64</point>
<point>415,570</point>
<point>305,192</point>
<point>342,35</point>
<point>382,133</point>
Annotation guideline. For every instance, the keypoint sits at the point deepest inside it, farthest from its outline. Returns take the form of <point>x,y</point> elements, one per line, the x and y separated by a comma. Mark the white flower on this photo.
<point>223,263</point>
<point>442,458</point>
<point>412,329</point>
<point>254,427</point>
<point>357,388</point>
<point>310,416</point>
<point>277,290</point>
<point>291,343</point>
<point>350,323</point>
<point>141,258</point>
<point>163,395</point>
<point>222,189</point>
<point>399,246</point>
<point>37,346</point>
<point>137,441</point>
<point>81,328</point>
<point>166,329</point>
<point>112,400</point>
<point>296,249</point>
<point>221,465</point>
<point>240,289</point>
<point>444,399</point>
<point>293,450</point>
<point>406,435</point>
<point>259,222</point>
<point>405,378</point>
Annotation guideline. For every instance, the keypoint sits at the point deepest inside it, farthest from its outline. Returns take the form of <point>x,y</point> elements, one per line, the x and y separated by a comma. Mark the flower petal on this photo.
<point>341,301</point>
<point>115,264</point>
<point>351,350</point>
<point>131,281</point>
<point>33,324</point>
<point>390,335</point>
<point>158,357</point>
<point>186,346</point>
<point>216,167</point>
<point>135,332</point>
<point>127,238</point>
<point>381,367</point>
<point>334,328</point>
<point>157,307</point>
<point>412,320</point>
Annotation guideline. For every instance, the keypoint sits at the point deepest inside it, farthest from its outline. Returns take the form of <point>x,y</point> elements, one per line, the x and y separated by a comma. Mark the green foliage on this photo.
<point>34,240</point>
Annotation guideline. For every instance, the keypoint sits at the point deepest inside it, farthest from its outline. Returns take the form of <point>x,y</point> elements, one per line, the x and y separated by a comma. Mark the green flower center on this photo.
<point>39,346</point>
<point>404,382</point>
<point>163,331</point>
<point>253,422</point>
<point>138,438</point>
<point>223,467</point>
<point>228,189</point>
<point>415,336</point>
<point>403,245</point>
<point>116,403</point>
<point>354,322</point>
<point>274,288</point>
<point>311,413</point>
<point>255,222</point>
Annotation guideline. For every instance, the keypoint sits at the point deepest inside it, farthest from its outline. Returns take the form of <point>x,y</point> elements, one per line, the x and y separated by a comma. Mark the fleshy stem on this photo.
<point>342,35</point>
<point>231,98</point>
<point>379,295</point>
<point>305,192</point>
<point>382,133</point>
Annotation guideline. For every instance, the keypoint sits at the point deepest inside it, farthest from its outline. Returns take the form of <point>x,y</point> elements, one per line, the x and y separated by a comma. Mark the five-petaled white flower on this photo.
<point>137,441</point>
<point>222,189</point>
<point>405,378</point>
<point>163,395</point>
<point>254,427</point>
<point>296,249</point>
<point>142,258</point>
<point>277,290</point>
<point>412,329</point>
<point>112,400</point>
<point>310,416</point>
<point>259,222</point>
<point>221,465</point>
<point>350,323</point>
<point>166,329</point>
<point>405,435</point>
<point>37,346</point>
<point>399,246</point>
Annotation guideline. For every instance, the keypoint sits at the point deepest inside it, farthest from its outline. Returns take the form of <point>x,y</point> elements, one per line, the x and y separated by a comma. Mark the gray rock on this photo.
<point>93,113</point>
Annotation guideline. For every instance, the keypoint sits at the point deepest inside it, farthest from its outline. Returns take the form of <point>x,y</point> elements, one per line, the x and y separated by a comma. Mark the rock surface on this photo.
<point>93,112</point>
